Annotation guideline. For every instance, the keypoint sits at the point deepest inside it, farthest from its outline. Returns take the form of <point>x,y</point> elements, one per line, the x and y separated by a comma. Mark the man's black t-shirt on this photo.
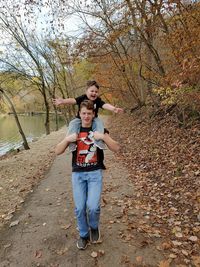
<point>87,156</point>
<point>98,103</point>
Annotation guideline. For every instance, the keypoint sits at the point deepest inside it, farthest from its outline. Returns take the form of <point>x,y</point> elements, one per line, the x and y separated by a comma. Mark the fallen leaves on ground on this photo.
<point>98,253</point>
<point>14,223</point>
<point>61,251</point>
<point>165,263</point>
<point>164,167</point>
<point>66,226</point>
<point>7,245</point>
<point>139,259</point>
<point>94,254</point>
<point>38,254</point>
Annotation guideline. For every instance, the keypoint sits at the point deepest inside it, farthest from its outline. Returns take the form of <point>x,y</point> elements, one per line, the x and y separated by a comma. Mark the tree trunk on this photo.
<point>56,117</point>
<point>47,122</point>
<point>25,143</point>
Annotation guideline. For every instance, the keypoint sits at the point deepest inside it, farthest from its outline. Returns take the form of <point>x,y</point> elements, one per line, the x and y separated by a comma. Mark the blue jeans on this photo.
<point>75,124</point>
<point>87,187</point>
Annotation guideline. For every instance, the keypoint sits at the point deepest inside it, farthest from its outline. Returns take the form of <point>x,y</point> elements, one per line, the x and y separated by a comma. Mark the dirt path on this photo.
<point>45,231</point>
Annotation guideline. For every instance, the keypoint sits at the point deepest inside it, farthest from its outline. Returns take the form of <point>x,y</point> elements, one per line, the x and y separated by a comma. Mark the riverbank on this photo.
<point>22,171</point>
<point>33,127</point>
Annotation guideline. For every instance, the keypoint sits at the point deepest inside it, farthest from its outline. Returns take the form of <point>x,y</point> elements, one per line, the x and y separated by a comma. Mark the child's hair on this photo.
<point>87,104</point>
<point>91,83</point>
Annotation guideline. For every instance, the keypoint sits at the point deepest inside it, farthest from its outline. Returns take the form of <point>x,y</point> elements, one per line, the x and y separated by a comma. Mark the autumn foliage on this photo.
<point>146,49</point>
<point>182,81</point>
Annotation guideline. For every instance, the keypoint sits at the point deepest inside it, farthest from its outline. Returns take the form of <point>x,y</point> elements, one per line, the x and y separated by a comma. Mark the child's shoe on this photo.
<point>72,147</point>
<point>100,144</point>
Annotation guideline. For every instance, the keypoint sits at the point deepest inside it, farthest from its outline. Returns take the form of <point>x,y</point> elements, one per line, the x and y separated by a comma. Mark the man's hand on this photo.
<point>98,136</point>
<point>61,147</point>
<point>57,101</point>
<point>118,110</point>
<point>71,138</point>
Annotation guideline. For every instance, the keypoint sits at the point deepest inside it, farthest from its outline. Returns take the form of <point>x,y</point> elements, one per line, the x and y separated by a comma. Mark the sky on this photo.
<point>39,19</point>
<point>45,19</point>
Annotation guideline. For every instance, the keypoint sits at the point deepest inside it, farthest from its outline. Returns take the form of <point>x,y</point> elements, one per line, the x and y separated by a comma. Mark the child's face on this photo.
<point>92,92</point>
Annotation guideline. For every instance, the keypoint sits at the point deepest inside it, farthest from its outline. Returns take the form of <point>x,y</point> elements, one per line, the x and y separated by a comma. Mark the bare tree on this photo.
<point>25,143</point>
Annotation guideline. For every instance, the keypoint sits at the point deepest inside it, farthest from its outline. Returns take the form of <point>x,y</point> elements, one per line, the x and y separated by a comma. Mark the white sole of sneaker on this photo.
<point>82,248</point>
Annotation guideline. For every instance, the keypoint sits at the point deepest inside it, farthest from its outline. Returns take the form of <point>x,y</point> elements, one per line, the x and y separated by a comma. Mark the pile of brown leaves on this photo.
<point>164,165</point>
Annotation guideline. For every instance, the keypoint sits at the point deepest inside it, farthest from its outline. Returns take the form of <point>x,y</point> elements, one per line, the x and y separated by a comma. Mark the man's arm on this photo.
<point>112,108</point>
<point>62,146</point>
<point>63,101</point>
<point>111,143</point>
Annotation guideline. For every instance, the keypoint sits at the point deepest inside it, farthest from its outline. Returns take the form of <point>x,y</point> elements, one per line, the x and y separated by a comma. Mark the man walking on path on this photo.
<point>87,165</point>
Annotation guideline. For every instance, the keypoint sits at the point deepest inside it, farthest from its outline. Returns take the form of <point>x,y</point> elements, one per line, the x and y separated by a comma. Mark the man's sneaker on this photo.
<point>72,147</point>
<point>94,235</point>
<point>82,243</point>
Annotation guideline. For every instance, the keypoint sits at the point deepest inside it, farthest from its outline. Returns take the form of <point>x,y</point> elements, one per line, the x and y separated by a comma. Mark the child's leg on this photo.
<point>73,127</point>
<point>98,126</point>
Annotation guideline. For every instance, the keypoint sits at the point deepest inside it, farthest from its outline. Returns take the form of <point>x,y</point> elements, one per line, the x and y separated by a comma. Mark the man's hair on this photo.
<point>87,104</point>
<point>91,83</point>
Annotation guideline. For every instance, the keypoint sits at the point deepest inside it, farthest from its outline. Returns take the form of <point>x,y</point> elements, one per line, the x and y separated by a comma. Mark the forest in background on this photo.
<point>145,54</point>
<point>140,52</point>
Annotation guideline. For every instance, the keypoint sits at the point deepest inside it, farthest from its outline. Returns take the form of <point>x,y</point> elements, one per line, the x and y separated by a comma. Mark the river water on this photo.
<point>33,127</point>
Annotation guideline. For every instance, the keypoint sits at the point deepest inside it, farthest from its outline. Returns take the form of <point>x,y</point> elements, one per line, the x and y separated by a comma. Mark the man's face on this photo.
<point>86,116</point>
<point>92,92</point>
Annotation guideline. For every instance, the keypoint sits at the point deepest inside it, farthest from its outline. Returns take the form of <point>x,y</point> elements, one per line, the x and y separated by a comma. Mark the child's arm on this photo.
<point>61,147</point>
<point>112,108</point>
<point>63,101</point>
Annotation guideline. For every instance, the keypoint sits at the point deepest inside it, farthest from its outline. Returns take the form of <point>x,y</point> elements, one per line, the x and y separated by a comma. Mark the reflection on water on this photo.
<point>33,127</point>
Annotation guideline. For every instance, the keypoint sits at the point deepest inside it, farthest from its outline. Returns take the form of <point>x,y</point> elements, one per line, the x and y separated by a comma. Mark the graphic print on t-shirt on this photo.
<point>86,150</point>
